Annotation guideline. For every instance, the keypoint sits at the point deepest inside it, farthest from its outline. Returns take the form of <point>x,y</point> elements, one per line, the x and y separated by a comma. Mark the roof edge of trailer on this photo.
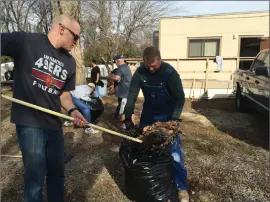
<point>216,14</point>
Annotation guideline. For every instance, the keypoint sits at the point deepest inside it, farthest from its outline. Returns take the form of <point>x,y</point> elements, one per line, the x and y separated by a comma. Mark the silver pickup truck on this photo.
<point>252,86</point>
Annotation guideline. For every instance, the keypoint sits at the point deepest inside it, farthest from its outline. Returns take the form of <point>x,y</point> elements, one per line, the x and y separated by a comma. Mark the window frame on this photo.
<point>257,59</point>
<point>203,38</point>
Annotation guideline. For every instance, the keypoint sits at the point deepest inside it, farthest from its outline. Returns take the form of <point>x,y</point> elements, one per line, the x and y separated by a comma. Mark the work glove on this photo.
<point>131,129</point>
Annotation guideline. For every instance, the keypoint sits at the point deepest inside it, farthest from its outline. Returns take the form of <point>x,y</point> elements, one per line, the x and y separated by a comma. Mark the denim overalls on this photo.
<point>159,106</point>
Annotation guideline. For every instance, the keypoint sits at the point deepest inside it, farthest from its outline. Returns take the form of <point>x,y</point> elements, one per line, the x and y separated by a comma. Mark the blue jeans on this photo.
<point>100,92</point>
<point>96,93</point>
<point>43,153</point>
<point>180,172</point>
<point>83,108</point>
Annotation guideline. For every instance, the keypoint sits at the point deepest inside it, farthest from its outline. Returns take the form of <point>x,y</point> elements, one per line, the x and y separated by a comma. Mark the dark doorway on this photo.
<point>249,47</point>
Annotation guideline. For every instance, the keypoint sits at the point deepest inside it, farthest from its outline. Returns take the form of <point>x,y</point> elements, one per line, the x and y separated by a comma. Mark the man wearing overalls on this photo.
<point>164,99</point>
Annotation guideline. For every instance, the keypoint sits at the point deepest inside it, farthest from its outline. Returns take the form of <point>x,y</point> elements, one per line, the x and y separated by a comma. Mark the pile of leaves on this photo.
<point>161,134</point>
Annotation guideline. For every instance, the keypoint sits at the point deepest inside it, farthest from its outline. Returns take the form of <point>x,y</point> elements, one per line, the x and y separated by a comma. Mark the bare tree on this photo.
<point>42,12</point>
<point>143,39</point>
<point>29,16</point>
<point>119,28</point>
<point>72,8</point>
<point>16,14</point>
<point>142,16</point>
<point>98,13</point>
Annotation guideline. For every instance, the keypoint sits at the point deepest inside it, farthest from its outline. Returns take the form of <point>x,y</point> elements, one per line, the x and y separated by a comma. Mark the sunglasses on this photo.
<point>75,36</point>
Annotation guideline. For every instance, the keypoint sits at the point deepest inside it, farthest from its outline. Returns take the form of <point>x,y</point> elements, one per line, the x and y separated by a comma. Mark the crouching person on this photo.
<point>81,98</point>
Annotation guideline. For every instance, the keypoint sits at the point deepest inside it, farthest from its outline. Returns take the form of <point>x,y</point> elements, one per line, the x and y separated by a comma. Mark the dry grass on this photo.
<point>226,159</point>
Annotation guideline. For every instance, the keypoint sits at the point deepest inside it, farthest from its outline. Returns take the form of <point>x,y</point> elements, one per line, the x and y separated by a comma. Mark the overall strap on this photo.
<point>164,77</point>
<point>167,73</point>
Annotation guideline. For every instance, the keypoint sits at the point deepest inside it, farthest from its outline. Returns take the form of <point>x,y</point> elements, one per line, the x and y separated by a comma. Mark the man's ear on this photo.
<point>61,30</point>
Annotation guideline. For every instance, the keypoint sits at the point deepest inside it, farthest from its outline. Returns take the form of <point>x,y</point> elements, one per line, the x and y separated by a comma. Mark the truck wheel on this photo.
<point>241,103</point>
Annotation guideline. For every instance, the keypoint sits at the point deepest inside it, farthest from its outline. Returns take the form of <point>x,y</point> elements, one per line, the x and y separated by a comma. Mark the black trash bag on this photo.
<point>148,173</point>
<point>97,108</point>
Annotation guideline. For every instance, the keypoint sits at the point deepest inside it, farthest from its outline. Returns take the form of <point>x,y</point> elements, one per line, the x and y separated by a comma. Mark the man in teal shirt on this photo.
<point>122,77</point>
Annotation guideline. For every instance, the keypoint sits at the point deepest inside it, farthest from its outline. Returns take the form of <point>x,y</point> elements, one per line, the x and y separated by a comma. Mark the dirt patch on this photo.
<point>221,166</point>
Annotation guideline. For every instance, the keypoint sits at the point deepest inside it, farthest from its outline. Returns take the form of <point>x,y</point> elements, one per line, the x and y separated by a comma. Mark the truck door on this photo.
<point>262,84</point>
<point>254,81</point>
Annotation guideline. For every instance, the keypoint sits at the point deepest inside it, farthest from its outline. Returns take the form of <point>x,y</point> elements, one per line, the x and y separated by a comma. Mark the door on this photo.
<point>254,81</point>
<point>263,86</point>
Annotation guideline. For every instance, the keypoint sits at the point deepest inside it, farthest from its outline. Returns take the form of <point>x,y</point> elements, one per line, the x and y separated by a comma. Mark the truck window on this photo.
<point>261,56</point>
<point>258,61</point>
<point>266,60</point>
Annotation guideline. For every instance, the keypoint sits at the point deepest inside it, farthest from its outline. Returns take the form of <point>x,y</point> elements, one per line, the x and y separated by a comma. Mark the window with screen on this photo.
<point>203,47</point>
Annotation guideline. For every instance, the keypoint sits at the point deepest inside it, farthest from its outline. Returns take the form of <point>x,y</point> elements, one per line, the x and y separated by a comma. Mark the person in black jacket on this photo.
<point>44,73</point>
<point>95,76</point>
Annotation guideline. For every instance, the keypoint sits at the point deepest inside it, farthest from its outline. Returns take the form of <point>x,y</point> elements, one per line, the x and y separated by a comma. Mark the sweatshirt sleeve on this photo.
<point>71,80</point>
<point>134,90</point>
<point>175,88</point>
<point>12,44</point>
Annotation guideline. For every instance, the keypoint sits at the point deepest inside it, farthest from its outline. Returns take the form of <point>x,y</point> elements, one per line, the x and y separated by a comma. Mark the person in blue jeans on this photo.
<point>81,98</point>
<point>164,99</point>
<point>44,75</point>
<point>96,79</point>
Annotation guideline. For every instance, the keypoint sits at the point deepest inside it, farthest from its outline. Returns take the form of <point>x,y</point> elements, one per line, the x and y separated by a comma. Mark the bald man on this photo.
<point>44,73</point>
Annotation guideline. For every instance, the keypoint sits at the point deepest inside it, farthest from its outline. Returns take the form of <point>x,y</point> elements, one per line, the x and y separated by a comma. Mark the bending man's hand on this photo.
<point>131,129</point>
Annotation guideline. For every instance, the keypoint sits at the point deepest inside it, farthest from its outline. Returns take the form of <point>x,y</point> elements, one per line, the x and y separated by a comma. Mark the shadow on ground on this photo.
<point>113,163</point>
<point>251,127</point>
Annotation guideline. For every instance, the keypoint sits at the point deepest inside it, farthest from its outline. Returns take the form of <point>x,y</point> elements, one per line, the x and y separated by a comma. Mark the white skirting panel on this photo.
<point>199,93</point>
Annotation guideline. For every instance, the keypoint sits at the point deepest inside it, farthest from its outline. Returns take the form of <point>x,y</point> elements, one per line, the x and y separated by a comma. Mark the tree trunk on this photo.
<point>72,8</point>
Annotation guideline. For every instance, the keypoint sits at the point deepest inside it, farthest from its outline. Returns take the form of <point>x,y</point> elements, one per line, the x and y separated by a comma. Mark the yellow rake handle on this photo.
<point>68,117</point>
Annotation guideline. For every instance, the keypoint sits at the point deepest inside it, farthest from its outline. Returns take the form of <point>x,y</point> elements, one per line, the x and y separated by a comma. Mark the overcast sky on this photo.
<point>212,7</point>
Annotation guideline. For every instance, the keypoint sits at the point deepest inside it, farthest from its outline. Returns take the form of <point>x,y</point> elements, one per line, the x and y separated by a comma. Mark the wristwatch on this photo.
<point>71,110</point>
